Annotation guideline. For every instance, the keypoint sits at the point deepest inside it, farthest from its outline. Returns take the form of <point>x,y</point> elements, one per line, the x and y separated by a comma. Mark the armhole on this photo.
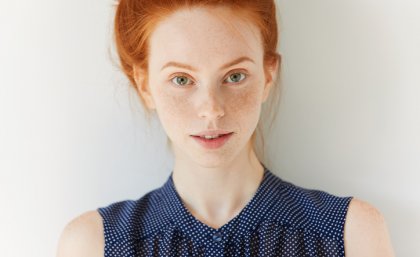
<point>344,220</point>
<point>102,214</point>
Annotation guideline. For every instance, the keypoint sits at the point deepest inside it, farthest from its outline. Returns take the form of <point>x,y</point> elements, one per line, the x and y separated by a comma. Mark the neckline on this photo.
<point>241,224</point>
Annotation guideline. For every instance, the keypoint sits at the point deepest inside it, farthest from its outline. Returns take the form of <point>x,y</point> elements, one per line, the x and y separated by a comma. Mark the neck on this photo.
<point>215,195</point>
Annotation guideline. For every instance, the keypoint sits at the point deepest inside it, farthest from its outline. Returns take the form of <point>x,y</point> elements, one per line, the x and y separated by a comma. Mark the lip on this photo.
<point>212,132</point>
<point>212,143</point>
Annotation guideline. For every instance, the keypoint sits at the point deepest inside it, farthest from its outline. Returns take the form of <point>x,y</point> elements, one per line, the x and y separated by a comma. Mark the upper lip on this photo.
<point>212,133</point>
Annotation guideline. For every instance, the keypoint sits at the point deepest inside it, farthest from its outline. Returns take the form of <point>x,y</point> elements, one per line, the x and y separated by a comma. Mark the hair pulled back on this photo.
<point>135,20</point>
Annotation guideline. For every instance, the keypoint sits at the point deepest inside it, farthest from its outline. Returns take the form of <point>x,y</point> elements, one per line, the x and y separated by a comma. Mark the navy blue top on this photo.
<point>281,219</point>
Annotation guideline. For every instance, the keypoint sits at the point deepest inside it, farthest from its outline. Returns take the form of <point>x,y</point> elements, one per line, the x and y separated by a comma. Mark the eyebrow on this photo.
<point>186,66</point>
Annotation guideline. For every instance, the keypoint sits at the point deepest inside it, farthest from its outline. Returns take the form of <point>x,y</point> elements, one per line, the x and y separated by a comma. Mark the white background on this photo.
<point>73,139</point>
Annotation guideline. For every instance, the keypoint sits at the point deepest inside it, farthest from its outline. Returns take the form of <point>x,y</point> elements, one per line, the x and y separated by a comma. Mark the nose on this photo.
<point>211,105</point>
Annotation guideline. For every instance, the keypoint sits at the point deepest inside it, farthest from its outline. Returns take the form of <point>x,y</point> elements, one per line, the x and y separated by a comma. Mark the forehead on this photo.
<point>194,35</point>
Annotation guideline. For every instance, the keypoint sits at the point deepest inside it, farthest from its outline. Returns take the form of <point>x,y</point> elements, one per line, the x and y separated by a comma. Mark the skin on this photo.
<point>210,100</point>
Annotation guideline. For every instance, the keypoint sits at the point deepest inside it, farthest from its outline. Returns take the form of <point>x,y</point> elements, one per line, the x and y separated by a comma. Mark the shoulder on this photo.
<point>82,236</point>
<point>130,220</point>
<point>310,209</point>
<point>365,231</point>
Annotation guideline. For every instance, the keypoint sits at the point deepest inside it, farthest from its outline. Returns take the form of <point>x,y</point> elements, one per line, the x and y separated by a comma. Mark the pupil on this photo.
<point>234,77</point>
<point>181,80</point>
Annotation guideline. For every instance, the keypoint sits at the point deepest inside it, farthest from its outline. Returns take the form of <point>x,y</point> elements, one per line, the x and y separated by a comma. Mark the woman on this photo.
<point>206,68</point>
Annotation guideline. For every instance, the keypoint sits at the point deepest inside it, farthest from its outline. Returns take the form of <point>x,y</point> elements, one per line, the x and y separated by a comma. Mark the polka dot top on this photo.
<point>281,219</point>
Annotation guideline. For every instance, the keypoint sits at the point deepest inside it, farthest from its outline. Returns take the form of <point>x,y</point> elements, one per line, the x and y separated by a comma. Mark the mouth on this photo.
<point>213,142</point>
<point>212,137</point>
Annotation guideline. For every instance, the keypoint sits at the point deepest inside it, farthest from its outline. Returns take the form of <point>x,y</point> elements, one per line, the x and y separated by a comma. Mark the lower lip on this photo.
<point>213,143</point>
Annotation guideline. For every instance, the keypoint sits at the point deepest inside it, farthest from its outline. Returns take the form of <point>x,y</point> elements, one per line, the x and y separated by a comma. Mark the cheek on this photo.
<point>246,103</point>
<point>242,107</point>
<point>171,106</point>
<point>172,110</point>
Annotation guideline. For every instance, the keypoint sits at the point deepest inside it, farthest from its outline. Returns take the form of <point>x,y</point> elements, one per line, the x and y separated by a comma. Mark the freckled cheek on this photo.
<point>174,108</point>
<point>242,106</point>
<point>245,103</point>
<point>244,111</point>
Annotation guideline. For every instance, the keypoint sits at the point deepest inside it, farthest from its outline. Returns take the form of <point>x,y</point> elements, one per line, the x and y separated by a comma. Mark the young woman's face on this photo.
<point>206,75</point>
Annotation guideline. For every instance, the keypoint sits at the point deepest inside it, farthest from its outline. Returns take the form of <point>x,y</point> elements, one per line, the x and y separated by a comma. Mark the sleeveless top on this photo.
<point>281,219</point>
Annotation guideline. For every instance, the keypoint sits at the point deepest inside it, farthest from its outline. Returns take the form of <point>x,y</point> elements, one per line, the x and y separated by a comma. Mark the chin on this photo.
<point>213,160</point>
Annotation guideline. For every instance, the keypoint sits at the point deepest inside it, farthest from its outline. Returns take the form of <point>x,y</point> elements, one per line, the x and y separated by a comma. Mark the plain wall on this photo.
<point>73,138</point>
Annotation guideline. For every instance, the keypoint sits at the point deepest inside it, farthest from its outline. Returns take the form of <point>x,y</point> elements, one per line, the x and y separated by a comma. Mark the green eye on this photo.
<point>233,78</point>
<point>180,80</point>
<point>236,77</point>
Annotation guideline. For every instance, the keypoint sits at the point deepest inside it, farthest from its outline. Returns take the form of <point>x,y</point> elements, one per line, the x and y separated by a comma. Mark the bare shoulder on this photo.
<point>366,232</point>
<point>82,236</point>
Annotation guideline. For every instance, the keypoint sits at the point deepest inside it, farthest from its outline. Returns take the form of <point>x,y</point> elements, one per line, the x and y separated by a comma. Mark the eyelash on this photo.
<point>185,75</point>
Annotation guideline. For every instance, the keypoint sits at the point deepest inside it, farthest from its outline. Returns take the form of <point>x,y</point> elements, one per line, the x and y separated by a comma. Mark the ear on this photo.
<point>272,68</point>
<point>142,86</point>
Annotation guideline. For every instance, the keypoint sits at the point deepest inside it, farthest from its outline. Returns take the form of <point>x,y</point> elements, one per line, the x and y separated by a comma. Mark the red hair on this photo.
<point>135,21</point>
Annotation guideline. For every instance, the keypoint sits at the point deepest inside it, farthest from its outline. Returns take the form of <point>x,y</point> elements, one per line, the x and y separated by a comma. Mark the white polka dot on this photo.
<point>281,219</point>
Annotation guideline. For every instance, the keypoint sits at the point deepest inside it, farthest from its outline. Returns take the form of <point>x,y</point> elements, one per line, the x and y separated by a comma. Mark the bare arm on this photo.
<point>365,232</point>
<point>82,237</point>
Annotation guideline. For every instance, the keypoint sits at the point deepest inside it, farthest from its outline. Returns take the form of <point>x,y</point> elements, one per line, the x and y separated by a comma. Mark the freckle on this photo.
<point>177,104</point>
<point>245,101</point>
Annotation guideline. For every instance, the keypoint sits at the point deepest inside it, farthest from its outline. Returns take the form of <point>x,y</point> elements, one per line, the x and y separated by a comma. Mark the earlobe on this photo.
<point>142,87</point>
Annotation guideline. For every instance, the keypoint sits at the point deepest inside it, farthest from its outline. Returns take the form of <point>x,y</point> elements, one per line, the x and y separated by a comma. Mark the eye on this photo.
<point>181,80</point>
<point>236,77</point>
